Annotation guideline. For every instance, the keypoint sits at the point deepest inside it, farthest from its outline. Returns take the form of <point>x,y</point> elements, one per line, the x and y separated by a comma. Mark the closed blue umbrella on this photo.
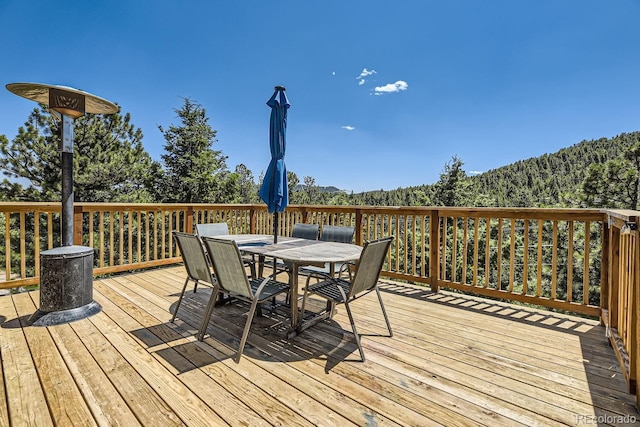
<point>274,191</point>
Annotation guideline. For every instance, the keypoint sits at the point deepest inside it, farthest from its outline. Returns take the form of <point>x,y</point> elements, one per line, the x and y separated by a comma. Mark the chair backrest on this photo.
<point>370,265</point>
<point>305,231</point>
<point>227,265</point>
<point>337,233</point>
<point>213,229</point>
<point>193,256</point>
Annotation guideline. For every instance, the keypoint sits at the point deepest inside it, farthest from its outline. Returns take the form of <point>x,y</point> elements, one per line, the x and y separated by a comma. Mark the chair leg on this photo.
<point>353,323</point>
<point>331,308</point>
<point>245,333</point>
<point>355,330</point>
<point>184,288</point>
<point>384,312</point>
<point>207,314</point>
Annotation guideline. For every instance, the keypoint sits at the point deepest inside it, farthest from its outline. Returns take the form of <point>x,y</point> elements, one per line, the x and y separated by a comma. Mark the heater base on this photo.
<point>43,318</point>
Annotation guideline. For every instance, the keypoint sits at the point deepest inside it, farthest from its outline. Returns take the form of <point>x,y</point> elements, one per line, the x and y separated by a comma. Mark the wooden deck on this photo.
<point>453,360</point>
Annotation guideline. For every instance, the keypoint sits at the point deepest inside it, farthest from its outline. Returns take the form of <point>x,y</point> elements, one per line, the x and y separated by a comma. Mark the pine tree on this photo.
<point>453,187</point>
<point>247,187</point>
<point>194,172</point>
<point>110,163</point>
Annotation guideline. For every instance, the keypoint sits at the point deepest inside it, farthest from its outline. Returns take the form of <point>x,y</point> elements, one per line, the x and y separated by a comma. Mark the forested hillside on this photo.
<point>551,179</point>
<point>610,166</point>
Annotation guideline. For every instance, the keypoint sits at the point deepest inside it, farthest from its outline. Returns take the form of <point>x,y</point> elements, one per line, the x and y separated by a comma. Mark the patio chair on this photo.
<point>217,229</point>
<point>306,231</point>
<point>212,229</point>
<point>195,262</point>
<point>300,231</point>
<point>365,279</point>
<point>232,279</point>
<point>337,233</point>
<point>330,233</point>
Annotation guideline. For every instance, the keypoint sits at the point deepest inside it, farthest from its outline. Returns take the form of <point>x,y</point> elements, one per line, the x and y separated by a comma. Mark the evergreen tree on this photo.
<point>112,164</point>
<point>295,195</point>
<point>10,191</point>
<point>247,187</point>
<point>453,187</point>
<point>109,161</point>
<point>611,185</point>
<point>616,182</point>
<point>194,172</point>
<point>311,191</point>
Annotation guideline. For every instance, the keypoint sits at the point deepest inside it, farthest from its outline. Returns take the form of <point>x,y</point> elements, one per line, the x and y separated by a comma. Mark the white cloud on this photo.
<point>366,73</point>
<point>391,87</point>
<point>475,172</point>
<point>348,127</point>
<point>363,74</point>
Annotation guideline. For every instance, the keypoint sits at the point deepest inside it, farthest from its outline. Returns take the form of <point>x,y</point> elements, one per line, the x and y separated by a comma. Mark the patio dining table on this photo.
<point>296,253</point>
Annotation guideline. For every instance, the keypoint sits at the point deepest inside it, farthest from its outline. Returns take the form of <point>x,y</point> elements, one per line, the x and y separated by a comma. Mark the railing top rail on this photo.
<point>623,214</point>
<point>29,206</point>
<point>95,205</point>
<point>508,212</point>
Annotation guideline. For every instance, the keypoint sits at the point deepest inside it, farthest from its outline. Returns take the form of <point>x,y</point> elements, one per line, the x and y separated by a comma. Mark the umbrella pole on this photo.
<point>275,227</point>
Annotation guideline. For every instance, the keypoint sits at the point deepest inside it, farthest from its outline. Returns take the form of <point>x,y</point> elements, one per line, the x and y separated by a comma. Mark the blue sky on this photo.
<point>382,93</point>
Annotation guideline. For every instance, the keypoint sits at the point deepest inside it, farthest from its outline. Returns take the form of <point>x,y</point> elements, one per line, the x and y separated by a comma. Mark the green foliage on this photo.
<point>245,188</point>
<point>109,161</point>
<point>615,184</point>
<point>295,196</point>
<point>597,173</point>
<point>10,191</point>
<point>551,180</point>
<point>194,172</point>
<point>453,189</point>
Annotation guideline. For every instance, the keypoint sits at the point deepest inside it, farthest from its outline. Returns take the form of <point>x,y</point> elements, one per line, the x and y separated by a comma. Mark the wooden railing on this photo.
<point>584,261</point>
<point>514,254</point>
<point>621,313</point>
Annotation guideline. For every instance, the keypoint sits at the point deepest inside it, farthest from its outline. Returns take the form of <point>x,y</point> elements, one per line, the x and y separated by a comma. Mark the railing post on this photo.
<point>605,268</point>
<point>253,220</point>
<point>188,220</point>
<point>634,294</point>
<point>359,231</point>
<point>434,250</point>
<point>77,225</point>
<point>305,214</point>
<point>614,275</point>
<point>635,329</point>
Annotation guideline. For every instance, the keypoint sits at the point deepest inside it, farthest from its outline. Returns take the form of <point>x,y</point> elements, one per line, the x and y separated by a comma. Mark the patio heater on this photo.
<point>66,272</point>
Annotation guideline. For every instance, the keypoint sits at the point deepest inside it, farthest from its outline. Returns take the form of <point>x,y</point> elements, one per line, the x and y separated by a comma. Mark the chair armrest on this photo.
<point>348,267</point>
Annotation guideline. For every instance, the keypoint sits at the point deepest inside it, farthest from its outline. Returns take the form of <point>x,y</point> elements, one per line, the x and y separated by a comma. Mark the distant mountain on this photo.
<point>329,189</point>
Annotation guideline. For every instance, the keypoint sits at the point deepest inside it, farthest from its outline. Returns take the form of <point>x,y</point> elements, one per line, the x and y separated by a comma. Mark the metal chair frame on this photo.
<point>231,278</point>
<point>365,279</point>
<point>195,262</point>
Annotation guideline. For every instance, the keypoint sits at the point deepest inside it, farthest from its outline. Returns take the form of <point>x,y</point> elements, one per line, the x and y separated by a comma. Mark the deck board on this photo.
<point>25,398</point>
<point>63,397</point>
<point>102,397</point>
<point>454,360</point>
